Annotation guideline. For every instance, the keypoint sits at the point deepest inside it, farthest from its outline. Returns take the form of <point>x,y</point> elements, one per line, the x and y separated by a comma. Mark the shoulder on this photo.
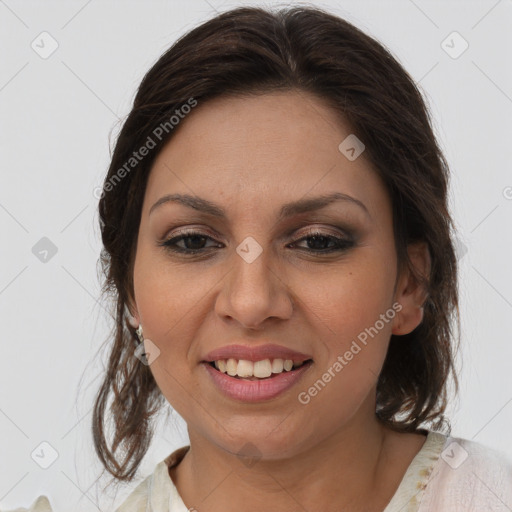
<point>41,504</point>
<point>462,458</point>
<point>469,475</point>
<point>150,489</point>
<point>157,490</point>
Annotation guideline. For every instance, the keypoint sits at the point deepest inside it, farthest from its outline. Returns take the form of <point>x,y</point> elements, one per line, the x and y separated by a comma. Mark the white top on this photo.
<point>447,475</point>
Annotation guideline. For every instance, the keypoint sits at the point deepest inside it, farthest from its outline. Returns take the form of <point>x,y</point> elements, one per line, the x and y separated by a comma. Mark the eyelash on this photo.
<point>340,243</point>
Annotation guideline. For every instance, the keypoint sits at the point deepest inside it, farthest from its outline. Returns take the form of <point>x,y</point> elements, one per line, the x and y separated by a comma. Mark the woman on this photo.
<point>278,243</point>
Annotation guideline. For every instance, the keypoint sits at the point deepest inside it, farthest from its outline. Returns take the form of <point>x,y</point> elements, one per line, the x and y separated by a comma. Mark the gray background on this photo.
<point>57,115</point>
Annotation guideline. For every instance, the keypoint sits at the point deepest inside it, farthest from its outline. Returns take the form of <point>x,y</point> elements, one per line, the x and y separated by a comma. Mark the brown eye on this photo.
<point>194,242</point>
<point>318,242</point>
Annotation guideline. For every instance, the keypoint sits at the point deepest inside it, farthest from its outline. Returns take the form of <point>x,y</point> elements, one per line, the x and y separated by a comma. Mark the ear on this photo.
<point>132,315</point>
<point>410,293</point>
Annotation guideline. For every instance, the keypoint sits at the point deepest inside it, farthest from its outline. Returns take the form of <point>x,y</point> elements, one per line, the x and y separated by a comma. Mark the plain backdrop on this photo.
<point>57,114</point>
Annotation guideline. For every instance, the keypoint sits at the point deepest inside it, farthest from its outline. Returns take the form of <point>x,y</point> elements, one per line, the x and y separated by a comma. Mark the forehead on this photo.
<point>260,149</point>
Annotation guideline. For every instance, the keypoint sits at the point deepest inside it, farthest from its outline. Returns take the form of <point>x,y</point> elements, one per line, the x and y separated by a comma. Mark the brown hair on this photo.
<point>253,51</point>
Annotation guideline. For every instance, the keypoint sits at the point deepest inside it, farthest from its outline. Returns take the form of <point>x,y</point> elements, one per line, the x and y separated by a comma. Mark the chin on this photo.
<point>261,441</point>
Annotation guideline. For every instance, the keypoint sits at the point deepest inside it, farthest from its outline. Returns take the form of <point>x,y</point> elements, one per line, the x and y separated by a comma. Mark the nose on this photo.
<point>254,292</point>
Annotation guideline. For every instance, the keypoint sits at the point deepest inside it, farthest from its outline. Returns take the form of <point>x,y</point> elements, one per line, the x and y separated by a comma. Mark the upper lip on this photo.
<point>255,353</point>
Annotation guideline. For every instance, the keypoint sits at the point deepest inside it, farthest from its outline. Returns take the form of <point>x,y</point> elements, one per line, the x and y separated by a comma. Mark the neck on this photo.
<point>341,471</point>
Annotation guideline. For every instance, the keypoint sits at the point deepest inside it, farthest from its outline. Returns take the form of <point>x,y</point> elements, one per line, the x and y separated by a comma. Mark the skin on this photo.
<point>251,155</point>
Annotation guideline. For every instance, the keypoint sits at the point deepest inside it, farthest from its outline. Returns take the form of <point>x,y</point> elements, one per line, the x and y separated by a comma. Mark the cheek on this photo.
<point>353,315</point>
<point>167,297</point>
<point>170,301</point>
<point>350,297</point>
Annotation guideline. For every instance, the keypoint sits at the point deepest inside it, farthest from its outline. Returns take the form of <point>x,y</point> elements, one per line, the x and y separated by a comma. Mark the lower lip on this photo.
<point>256,390</point>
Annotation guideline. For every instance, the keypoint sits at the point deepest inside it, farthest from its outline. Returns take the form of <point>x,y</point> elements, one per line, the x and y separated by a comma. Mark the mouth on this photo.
<point>262,370</point>
<point>256,381</point>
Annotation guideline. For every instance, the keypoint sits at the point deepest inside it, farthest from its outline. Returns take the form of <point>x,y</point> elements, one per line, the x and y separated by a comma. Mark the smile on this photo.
<point>265,368</point>
<point>252,388</point>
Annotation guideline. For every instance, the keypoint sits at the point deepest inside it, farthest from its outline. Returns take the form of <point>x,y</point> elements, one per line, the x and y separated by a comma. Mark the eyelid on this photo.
<point>295,232</point>
<point>345,239</point>
<point>325,230</point>
<point>173,233</point>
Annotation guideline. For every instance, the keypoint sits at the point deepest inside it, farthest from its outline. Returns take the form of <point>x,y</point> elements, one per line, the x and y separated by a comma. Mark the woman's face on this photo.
<point>259,277</point>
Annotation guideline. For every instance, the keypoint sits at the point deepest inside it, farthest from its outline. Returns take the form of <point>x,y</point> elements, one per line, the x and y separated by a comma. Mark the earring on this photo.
<point>133,322</point>
<point>140,334</point>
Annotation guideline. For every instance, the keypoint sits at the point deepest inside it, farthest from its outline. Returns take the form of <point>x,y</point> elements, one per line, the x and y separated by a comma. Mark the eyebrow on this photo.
<point>287,210</point>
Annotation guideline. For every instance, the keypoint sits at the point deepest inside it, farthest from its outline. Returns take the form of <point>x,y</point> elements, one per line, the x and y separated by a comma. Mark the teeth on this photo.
<point>245,368</point>
<point>262,369</point>
<point>259,369</point>
<point>277,366</point>
<point>231,367</point>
